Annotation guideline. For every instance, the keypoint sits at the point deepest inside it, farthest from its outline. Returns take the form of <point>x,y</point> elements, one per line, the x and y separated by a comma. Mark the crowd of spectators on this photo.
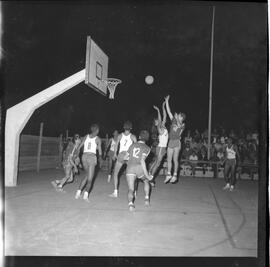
<point>196,144</point>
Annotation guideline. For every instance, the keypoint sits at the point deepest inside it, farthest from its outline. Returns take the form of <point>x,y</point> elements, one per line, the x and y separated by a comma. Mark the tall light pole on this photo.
<point>210,86</point>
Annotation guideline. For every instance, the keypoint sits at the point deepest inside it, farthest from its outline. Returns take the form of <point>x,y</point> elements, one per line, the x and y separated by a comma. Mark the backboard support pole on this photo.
<point>18,115</point>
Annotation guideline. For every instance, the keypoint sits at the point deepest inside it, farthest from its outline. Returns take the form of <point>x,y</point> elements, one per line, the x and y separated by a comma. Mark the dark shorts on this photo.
<point>77,161</point>
<point>110,154</point>
<point>89,159</point>
<point>121,157</point>
<point>160,151</point>
<point>174,143</point>
<point>135,170</point>
<point>230,162</point>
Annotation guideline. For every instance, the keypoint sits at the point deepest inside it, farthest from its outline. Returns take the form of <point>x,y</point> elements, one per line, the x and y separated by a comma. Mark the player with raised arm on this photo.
<point>231,154</point>
<point>69,163</point>
<point>125,139</point>
<point>136,168</point>
<point>110,153</point>
<point>91,144</point>
<point>162,141</point>
<point>174,145</point>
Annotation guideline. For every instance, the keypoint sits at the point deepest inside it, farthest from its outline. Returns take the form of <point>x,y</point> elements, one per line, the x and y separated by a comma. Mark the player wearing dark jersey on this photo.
<point>136,168</point>
<point>174,145</point>
<point>70,162</point>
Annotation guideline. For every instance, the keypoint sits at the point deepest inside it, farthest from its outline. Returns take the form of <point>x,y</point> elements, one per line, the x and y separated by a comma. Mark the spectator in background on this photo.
<point>214,135</point>
<point>255,136</point>
<point>197,136</point>
<point>252,151</point>
<point>232,134</point>
<point>249,136</point>
<point>214,166</point>
<point>187,151</point>
<point>193,161</point>
<point>188,138</point>
<point>204,134</point>
<point>212,149</point>
<point>203,157</point>
<point>220,155</point>
<point>218,145</point>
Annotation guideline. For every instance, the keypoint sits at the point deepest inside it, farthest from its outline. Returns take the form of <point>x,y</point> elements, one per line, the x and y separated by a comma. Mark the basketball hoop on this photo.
<point>111,85</point>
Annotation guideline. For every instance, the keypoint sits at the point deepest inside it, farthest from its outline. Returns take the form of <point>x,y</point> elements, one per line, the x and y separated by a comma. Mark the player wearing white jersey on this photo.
<point>231,154</point>
<point>125,140</point>
<point>162,141</point>
<point>91,143</point>
<point>110,153</point>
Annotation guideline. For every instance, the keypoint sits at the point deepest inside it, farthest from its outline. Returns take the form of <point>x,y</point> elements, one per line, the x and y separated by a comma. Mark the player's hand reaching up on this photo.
<point>155,107</point>
<point>167,98</point>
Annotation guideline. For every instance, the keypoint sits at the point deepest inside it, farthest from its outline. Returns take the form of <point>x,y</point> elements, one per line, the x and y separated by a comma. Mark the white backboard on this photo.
<point>96,68</point>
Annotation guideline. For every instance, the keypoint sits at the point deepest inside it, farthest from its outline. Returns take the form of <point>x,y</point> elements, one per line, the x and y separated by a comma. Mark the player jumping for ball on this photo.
<point>174,145</point>
<point>136,168</point>
<point>70,162</point>
<point>125,139</point>
<point>162,141</point>
<point>91,143</point>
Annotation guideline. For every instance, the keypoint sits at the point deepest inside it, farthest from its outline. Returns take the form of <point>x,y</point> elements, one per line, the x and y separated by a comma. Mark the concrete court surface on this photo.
<point>194,217</point>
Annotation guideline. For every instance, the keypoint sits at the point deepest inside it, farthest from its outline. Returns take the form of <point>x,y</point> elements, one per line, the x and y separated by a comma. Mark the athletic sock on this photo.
<point>78,193</point>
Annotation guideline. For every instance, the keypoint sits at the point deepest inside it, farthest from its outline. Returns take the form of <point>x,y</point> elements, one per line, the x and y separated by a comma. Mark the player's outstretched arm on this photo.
<point>164,114</point>
<point>158,112</point>
<point>168,107</point>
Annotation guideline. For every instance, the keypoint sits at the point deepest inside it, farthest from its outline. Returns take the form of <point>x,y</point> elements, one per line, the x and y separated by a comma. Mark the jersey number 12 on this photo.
<point>136,152</point>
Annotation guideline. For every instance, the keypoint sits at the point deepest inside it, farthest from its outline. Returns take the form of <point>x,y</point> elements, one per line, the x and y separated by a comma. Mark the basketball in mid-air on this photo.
<point>149,79</point>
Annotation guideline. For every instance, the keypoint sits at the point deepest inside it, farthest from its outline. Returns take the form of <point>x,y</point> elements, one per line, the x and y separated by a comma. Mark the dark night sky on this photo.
<point>45,43</point>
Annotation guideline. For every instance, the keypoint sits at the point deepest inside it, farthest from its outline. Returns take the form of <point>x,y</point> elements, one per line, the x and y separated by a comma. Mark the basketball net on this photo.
<point>111,84</point>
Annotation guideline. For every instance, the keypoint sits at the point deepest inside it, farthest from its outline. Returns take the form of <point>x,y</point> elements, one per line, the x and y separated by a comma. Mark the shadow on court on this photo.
<point>194,217</point>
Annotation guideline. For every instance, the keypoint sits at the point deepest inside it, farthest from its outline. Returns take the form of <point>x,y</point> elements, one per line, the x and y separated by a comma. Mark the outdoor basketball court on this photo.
<point>194,217</point>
